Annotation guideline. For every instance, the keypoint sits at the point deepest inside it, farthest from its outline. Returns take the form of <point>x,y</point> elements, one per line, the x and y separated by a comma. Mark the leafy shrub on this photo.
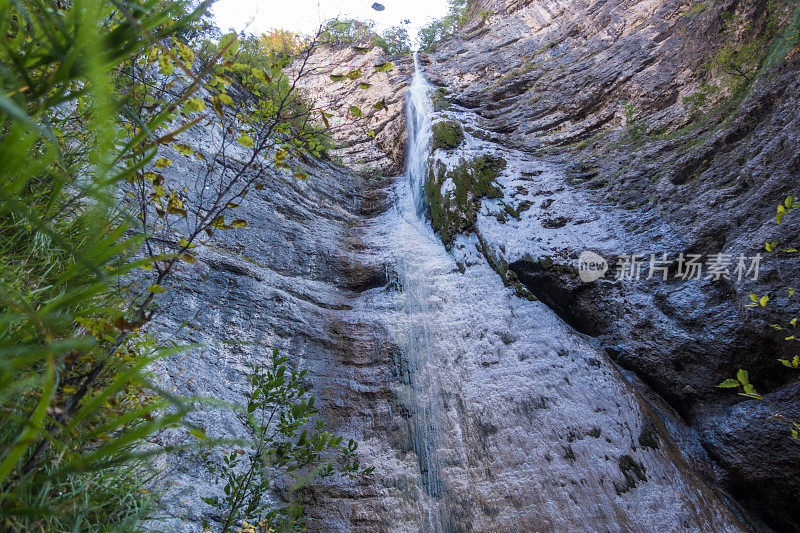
<point>281,43</point>
<point>278,416</point>
<point>635,126</point>
<point>95,101</point>
<point>394,41</point>
<point>75,398</point>
<point>699,99</point>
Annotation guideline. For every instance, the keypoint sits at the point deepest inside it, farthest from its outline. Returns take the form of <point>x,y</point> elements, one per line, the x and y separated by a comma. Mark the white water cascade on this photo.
<point>419,117</point>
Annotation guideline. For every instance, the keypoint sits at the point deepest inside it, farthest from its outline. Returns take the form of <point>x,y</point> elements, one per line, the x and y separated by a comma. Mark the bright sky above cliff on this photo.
<point>305,16</point>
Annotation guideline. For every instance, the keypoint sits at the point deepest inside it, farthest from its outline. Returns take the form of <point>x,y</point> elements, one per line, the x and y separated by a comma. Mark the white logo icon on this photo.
<point>591,266</point>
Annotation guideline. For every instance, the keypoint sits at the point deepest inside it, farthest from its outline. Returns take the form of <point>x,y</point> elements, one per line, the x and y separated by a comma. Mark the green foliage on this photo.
<point>742,380</point>
<point>456,211</point>
<point>698,100</point>
<point>447,135</point>
<point>266,91</point>
<point>635,126</point>
<point>96,103</point>
<point>285,439</point>
<point>345,31</point>
<point>744,47</point>
<point>394,41</point>
<point>76,400</point>
<point>444,28</point>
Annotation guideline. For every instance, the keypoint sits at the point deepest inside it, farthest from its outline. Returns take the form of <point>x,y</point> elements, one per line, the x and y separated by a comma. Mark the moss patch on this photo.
<point>440,99</point>
<point>456,211</point>
<point>632,471</point>
<point>447,135</point>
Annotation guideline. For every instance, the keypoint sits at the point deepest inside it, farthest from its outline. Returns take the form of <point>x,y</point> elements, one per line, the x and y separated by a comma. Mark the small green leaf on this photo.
<point>183,149</point>
<point>239,223</point>
<point>743,376</point>
<point>162,162</point>
<point>364,85</point>
<point>763,300</point>
<point>246,140</point>
<point>728,384</point>
<point>193,105</point>
<point>156,288</point>
<point>356,111</point>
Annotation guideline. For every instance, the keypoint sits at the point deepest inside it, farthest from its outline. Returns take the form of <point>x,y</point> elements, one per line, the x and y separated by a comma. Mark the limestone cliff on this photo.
<point>490,388</point>
<point>607,92</point>
<point>338,78</point>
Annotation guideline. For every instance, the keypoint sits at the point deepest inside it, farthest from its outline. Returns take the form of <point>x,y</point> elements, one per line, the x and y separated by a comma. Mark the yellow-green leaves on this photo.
<point>356,111</point>
<point>246,140</point>
<point>155,288</point>
<point>198,434</point>
<point>162,162</point>
<point>185,53</point>
<point>239,223</point>
<point>228,44</point>
<point>183,149</point>
<point>261,76</point>
<point>225,98</point>
<point>758,300</point>
<point>380,106</point>
<point>364,85</point>
<point>788,205</point>
<point>770,246</point>
<point>194,105</point>
<point>361,50</point>
<point>337,77</point>
<point>742,380</point>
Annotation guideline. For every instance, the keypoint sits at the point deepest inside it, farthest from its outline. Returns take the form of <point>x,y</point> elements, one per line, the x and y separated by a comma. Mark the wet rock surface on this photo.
<point>546,85</point>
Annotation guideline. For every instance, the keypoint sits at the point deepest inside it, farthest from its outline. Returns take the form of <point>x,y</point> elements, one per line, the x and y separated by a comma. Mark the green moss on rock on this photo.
<point>440,99</point>
<point>457,210</point>
<point>447,135</point>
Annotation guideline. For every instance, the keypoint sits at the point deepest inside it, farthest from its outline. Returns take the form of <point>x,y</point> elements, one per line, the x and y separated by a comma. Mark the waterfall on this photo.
<point>499,416</point>
<point>419,114</point>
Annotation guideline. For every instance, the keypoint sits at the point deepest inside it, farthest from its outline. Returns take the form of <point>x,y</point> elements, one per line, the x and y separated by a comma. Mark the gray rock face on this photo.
<point>595,407</point>
<point>545,83</point>
<point>326,85</point>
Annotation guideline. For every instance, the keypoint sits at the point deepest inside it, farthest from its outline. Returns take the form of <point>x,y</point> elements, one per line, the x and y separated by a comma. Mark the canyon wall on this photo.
<point>599,90</point>
<point>489,387</point>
